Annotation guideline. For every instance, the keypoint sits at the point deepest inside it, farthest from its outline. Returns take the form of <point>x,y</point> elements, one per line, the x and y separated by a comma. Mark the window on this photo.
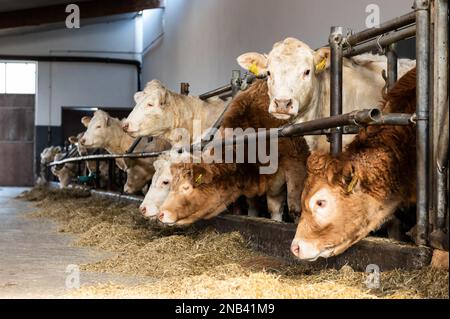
<point>17,78</point>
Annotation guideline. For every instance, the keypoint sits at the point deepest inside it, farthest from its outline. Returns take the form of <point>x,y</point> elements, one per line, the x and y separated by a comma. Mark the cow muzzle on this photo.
<point>283,108</point>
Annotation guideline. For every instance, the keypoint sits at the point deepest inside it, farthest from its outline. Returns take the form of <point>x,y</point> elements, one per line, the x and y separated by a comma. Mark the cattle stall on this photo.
<point>428,23</point>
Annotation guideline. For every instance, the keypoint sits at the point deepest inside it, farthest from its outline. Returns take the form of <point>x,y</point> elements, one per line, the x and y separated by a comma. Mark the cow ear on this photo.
<point>57,149</point>
<point>108,121</point>
<point>138,96</point>
<point>86,120</point>
<point>73,139</point>
<point>254,62</point>
<point>201,175</point>
<point>321,60</point>
<point>349,177</point>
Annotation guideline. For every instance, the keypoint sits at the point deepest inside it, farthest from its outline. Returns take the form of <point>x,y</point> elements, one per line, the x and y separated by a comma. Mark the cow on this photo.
<point>66,173</point>
<point>201,190</point>
<point>181,119</point>
<point>104,131</point>
<point>348,196</point>
<point>90,165</point>
<point>47,156</point>
<point>160,186</point>
<point>298,79</point>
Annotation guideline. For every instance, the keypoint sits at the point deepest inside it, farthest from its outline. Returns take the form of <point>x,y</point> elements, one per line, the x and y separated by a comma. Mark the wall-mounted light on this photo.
<point>140,12</point>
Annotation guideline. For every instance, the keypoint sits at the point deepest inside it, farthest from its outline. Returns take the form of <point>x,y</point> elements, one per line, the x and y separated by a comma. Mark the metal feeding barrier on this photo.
<point>428,23</point>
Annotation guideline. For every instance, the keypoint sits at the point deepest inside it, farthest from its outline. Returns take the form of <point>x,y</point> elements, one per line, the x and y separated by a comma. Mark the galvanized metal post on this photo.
<point>97,174</point>
<point>422,116</point>
<point>336,40</point>
<point>235,82</point>
<point>392,59</point>
<point>184,88</point>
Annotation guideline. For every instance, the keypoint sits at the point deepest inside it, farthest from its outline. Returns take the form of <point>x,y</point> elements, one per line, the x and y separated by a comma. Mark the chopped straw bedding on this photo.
<point>192,263</point>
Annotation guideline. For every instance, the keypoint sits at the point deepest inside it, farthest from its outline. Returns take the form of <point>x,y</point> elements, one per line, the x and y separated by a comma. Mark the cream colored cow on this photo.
<point>104,131</point>
<point>298,80</point>
<point>179,118</point>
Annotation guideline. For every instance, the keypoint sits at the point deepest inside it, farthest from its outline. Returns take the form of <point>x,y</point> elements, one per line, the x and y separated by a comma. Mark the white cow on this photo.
<point>104,131</point>
<point>298,81</point>
<point>160,112</point>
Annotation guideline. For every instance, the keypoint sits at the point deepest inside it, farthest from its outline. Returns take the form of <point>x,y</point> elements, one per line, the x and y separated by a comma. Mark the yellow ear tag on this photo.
<point>198,179</point>
<point>352,184</point>
<point>321,65</point>
<point>253,69</point>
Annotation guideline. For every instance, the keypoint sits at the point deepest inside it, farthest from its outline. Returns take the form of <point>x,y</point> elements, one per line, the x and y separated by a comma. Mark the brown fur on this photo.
<point>381,163</point>
<point>222,184</point>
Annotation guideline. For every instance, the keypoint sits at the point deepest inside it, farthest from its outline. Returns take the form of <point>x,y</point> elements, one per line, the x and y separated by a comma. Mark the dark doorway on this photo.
<point>16,139</point>
<point>71,118</point>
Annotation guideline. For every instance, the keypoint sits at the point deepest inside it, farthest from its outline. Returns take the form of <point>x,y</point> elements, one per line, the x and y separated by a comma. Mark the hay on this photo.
<point>187,263</point>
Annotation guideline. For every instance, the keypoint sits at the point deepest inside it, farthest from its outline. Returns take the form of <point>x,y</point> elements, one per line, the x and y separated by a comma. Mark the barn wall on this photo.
<point>203,38</point>
<point>62,84</point>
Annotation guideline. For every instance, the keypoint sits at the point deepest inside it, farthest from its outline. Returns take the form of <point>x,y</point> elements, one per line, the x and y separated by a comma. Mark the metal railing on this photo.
<point>432,158</point>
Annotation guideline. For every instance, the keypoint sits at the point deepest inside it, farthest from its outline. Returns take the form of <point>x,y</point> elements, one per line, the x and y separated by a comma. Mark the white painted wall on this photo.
<point>81,84</point>
<point>203,38</point>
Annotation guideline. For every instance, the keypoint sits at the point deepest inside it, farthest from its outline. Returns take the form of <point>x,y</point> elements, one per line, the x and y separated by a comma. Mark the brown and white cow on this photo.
<point>178,118</point>
<point>104,131</point>
<point>66,173</point>
<point>47,156</point>
<point>204,190</point>
<point>299,77</point>
<point>348,196</point>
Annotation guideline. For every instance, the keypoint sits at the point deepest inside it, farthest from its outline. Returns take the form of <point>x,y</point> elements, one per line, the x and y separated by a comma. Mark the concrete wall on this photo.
<point>203,38</point>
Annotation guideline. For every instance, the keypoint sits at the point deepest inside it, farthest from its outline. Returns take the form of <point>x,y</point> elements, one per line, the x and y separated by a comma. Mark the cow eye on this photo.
<point>321,203</point>
<point>268,73</point>
<point>165,182</point>
<point>98,126</point>
<point>149,104</point>
<point>307,72</point>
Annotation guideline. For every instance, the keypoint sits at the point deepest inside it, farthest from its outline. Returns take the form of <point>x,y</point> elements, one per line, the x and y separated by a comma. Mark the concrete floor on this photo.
<point>34,257</point>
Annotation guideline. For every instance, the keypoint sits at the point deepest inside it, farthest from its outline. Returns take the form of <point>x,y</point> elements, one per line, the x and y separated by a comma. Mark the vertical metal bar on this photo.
<point>184,88</point>
<point>440,111</point>
<point>110,174</point>
<point>235,82</point>
<point>422,112</point>
<point>97,174</point>
<point>336,40</point>
<point>391,54</point>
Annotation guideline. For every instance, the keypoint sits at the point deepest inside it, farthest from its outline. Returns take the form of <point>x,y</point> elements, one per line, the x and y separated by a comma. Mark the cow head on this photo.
<point>292,68</point>
<point>137,177</point>
<point>159,189</point>
<point>98,130</point>
<point>337,208</point>
<point>49,153</point>
<point>149,117</point>
<point>195,194</point>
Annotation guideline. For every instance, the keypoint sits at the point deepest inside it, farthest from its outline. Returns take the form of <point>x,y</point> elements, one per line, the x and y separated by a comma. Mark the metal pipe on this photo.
<point>335,40</point>
<point>392,64</point>
<point>218,91</point>
<point>441,174</point>
<point>387,26</point>
<point>422,113</point>
<point>439,123</point>
<point>382,41</point>
<point>133,146</point>
<point>184,88</point>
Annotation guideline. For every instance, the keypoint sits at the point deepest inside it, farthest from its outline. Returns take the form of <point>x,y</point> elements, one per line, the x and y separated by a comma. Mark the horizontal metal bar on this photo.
<point>382,42</point>
<point>387,26</point>
<point>314,127</point>
<point>223,89</point>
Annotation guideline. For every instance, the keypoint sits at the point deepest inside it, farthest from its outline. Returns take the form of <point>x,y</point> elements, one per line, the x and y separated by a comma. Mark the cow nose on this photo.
<point>283,105</point>
<point>295,249</point>
<point>143,210</point>
<point>82,141</point>
<point>125,126</point>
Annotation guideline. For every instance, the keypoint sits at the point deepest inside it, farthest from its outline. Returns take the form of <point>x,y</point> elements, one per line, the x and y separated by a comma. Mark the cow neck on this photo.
<point>118,142</point>
<point>184,111</point>
<point>317,107</point>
